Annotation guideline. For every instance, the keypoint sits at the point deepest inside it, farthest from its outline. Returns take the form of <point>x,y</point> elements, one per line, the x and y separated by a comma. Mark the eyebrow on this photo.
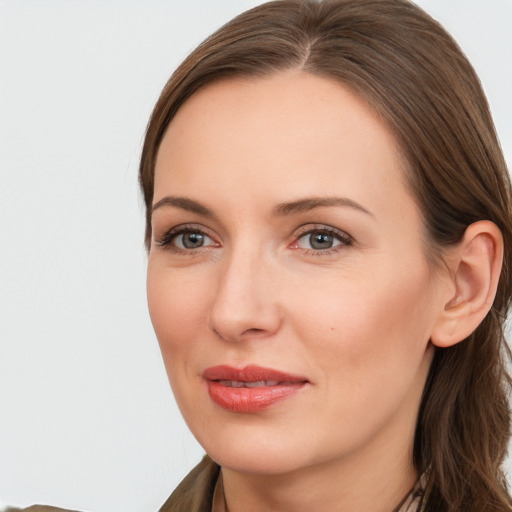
<point>282,209</point>
<point>185,204</point>
<point>310,203</point>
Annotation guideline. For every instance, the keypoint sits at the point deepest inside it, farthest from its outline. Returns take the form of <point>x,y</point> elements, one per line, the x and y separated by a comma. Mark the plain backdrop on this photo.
<point>87,419</point>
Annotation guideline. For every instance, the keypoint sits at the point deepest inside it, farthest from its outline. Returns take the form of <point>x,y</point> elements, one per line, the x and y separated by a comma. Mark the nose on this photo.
<point>245,304</point>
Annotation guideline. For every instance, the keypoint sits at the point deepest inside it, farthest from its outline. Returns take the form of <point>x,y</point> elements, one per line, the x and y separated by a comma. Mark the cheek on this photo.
<point>367,322</point>
<point>177,305</point>
<point>368,343</point>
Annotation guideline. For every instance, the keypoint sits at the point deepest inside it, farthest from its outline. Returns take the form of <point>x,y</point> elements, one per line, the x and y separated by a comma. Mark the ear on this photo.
<point>475,266</point>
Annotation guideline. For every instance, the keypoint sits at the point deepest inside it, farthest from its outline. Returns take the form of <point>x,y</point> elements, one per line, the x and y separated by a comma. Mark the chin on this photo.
<point>257,452</point>
<point>256,461</point>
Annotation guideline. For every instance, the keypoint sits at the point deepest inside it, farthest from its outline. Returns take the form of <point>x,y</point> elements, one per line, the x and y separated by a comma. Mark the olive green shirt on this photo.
<point>38,508</point>
<point>196,491</point>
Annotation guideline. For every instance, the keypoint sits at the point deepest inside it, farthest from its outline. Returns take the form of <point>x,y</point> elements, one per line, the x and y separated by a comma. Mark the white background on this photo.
<point>87,420</point>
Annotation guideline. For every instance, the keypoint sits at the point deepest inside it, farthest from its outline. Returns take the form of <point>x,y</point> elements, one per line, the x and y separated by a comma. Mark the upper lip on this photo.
<point>250,373</point>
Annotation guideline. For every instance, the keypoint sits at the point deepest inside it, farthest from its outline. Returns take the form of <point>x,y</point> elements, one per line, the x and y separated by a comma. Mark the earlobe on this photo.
<point>475,266</point>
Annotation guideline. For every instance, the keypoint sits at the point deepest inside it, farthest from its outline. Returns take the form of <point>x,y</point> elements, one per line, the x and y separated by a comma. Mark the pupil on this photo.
<point>321,241</point>
<point>193,240</point>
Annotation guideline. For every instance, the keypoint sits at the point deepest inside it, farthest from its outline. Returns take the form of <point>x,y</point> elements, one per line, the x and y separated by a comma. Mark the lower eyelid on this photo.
<point>341,236</point>
<point>336,242</point>
<point>205,240</point>
<point>166,240</point>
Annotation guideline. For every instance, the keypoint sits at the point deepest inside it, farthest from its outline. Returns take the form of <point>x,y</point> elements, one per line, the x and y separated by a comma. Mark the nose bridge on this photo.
<point>244,304</point>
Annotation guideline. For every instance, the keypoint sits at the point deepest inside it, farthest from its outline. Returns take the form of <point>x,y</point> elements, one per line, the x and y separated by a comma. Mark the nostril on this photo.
<point>244,335</point>
<point>253,332</point>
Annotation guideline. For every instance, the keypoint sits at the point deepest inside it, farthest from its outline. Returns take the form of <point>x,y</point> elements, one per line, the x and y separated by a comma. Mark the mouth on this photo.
<point>252,384</point>
<point>251,389</point>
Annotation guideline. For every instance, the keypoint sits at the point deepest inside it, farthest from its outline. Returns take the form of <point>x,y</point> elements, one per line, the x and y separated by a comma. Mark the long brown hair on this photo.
<point>409,70</point>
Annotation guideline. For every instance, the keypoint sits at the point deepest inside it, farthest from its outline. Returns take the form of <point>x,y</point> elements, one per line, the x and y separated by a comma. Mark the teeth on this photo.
<point>253,384</point>
<point>232,383</point>
<point>261,383</point>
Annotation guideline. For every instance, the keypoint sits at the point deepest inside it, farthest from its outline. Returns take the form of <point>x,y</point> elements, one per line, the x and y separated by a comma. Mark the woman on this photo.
<point>329,233</point>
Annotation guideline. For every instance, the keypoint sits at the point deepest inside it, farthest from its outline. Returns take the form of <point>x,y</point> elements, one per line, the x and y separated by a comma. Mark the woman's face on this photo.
<point>287,279</point>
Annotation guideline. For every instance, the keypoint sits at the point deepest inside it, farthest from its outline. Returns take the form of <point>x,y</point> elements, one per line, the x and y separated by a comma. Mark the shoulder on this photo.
<point>195,492</point>
<point>37,508</point>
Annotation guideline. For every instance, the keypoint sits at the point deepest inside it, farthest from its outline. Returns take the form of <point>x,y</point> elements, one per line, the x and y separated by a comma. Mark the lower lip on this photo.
<point>250,400</point>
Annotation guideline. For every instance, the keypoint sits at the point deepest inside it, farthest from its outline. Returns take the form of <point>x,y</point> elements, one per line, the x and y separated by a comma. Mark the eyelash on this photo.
<point>166,241</point>
<point>344,238</point>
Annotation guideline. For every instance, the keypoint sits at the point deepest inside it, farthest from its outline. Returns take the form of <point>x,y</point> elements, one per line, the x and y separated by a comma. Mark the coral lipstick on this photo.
<point>251,389</point>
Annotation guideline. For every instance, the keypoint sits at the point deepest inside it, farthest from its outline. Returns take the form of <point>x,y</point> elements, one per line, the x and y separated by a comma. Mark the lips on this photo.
<point>251,389</point>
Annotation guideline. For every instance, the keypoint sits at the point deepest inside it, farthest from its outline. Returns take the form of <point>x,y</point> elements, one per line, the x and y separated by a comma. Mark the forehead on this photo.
<point>290,128</point>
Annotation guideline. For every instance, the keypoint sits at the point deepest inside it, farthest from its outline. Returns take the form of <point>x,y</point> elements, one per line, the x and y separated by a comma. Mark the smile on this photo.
<point>251,389</point>
<point>254,384</point>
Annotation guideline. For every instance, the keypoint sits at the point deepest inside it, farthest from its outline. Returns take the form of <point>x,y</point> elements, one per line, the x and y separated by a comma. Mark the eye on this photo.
<point>192,240</point>
<point>322,239</point>
<point>186,239</point>
<point>318,240</point>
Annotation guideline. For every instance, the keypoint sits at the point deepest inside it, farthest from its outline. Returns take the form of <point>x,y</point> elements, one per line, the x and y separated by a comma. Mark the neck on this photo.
<point>368,483</point>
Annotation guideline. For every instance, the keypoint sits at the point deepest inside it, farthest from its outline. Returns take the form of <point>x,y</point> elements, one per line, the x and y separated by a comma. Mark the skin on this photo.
<point>355,319</point>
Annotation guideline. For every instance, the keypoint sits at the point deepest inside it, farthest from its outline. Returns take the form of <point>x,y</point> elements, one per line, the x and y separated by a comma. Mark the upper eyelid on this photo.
<point>311,227</point>
<point>169,234</point>
<point>297,233</point>
<point>346,240</point>
<point>187,226</point>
